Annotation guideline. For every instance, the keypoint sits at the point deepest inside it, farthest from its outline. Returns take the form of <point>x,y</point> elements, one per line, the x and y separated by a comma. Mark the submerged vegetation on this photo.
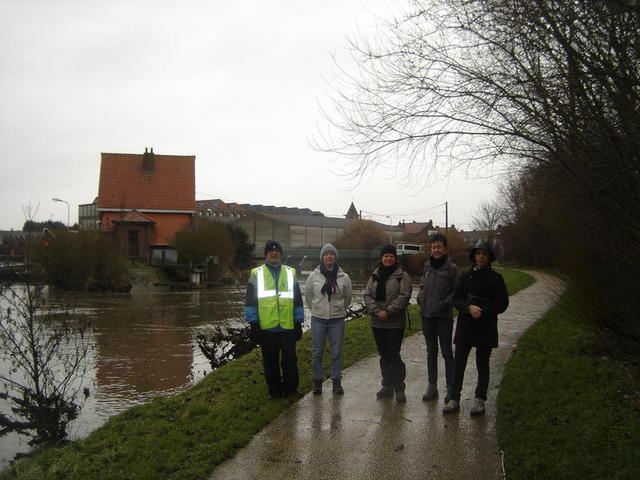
<point>47,357</point>
<point>84,261</point>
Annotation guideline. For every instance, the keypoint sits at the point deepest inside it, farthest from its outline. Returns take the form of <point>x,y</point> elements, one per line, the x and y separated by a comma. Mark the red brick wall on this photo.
<point>162,232</point>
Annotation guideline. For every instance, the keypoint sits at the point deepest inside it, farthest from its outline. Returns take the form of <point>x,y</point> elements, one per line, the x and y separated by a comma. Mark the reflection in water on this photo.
<point>144,347</point>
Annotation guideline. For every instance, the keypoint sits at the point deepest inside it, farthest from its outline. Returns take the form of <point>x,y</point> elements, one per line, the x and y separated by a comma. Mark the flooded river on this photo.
<point>144,346</point>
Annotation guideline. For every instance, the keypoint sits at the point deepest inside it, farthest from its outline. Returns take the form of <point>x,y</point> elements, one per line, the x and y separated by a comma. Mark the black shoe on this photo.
<point>337,387</point>
<point>384,392</point>
<point>452,406</point>
<point>317,387</point>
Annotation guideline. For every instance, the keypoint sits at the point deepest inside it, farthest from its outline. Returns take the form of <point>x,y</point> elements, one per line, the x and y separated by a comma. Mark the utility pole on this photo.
<point>446,218</point>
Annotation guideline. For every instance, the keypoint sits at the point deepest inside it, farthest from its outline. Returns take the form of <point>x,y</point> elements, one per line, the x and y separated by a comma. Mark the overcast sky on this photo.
<point>238,84</point>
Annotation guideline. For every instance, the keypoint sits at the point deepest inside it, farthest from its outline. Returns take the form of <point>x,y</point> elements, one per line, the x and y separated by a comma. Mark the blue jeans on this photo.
<point>321,329</point>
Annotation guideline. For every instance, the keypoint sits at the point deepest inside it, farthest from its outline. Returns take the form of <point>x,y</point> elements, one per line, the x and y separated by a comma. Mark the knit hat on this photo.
<point>272,245</point>
<point>328,247</point>
<point>388,249</point>
<point>482,246</point>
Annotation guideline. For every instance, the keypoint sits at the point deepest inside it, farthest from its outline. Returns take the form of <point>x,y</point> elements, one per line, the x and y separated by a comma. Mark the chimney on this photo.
<point>148,160</point>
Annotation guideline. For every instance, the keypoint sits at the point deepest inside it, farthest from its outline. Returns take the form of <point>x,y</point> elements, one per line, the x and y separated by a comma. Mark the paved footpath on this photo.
<point>356,436</point>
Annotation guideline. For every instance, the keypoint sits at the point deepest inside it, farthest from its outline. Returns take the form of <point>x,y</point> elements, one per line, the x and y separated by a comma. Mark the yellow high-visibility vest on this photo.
<point>275,306</point>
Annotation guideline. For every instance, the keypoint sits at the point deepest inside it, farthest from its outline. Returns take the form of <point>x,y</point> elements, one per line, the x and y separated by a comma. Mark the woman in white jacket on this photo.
<point>327,294</point>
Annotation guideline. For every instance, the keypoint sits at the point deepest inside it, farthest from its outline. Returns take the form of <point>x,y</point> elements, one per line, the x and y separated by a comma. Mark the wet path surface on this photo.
<point>356,436</point>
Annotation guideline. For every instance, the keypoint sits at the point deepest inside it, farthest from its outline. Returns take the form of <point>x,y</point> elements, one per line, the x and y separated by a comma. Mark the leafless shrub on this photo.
<point>46,356</point>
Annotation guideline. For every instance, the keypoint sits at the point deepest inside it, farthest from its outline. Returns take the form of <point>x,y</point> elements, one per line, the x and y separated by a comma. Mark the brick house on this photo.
<point>144,199</point>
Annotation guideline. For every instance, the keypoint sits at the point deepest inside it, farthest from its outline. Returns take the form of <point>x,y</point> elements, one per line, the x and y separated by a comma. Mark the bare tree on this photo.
<point>464,83</point>
<point>488,217</point>
<point>46,355</point>
<point>362,234</point>
<point>546,90</point>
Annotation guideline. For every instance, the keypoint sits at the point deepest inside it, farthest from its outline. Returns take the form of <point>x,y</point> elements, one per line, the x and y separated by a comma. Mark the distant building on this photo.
<point>352,213</point>
<point>473,237</point>
<point>225,212</point>
<point>88,216</point>
<point>145,199</point>
<point>418,231</point>
<point>301,230</point>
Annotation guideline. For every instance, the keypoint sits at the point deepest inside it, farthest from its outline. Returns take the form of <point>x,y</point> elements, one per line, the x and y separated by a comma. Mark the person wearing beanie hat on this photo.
<point>436,309</point>
<point>328,295</point>
<point>480,296</point>
<point>391,249</point>
<point>272,245</point>
<point>275,314</point>
<point>386,297</point>
<point>328,247</point>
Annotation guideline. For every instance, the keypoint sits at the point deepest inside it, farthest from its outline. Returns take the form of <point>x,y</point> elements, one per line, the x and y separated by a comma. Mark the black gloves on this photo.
<point>254,332</point>
<point>298,329</point>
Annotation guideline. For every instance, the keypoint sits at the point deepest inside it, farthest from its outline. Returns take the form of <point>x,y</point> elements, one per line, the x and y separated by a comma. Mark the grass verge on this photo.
<point>186,435</point>
<point>568,409</point>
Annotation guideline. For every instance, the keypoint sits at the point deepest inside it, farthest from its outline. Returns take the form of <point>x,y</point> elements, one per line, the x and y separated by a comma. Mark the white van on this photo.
<point>408,249</point>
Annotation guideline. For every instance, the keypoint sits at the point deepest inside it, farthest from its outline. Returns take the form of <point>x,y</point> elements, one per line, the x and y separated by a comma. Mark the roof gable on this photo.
<point>418,227</point>
<point>126,184</point>
<point>133,216</point>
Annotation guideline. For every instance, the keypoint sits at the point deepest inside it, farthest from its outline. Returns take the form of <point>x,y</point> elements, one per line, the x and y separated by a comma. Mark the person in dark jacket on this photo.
<point>275,313</point>
<point>479,297</point>
<point>386,297</point>
<point>435,299</point>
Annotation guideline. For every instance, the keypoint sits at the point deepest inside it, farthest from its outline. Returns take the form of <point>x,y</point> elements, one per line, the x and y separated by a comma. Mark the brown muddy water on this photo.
<point>144,347</point>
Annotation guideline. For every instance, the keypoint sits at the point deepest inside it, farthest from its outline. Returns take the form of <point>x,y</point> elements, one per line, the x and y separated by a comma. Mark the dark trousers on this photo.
<point>389,341</point>
<point>279,352</point>
<point>435,328</point>
<point>483,354</point>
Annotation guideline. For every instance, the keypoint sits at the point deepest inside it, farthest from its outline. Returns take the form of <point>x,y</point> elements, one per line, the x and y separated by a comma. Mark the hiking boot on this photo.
<point>384,392</point>
<point>452,406</point>
<point>400,396</point>
<point>337,386</point>
<point>478,408</point>
<point>431,393</point>
<point>317,387</point>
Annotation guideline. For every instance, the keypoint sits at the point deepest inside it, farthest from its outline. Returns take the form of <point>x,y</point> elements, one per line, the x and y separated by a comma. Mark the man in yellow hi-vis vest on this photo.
<point>275,314</point>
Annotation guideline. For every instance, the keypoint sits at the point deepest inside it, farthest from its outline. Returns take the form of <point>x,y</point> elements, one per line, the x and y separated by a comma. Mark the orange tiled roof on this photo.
<point>124,185</point>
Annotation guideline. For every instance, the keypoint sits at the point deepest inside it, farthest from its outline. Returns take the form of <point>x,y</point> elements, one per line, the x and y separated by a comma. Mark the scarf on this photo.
<point>436,263</point>
<point>330,285</point>
<point>381,277</point>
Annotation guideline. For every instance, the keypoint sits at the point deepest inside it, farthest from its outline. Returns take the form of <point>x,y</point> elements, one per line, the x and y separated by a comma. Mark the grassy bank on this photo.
<point>186,435</point>
<point>569,407</point>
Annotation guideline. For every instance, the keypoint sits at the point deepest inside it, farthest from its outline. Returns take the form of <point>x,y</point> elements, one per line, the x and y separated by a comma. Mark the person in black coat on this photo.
<point>479,297</point>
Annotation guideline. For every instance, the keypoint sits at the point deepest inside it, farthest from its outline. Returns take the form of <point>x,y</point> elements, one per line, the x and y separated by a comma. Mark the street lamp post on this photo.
<point>68,209</point>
